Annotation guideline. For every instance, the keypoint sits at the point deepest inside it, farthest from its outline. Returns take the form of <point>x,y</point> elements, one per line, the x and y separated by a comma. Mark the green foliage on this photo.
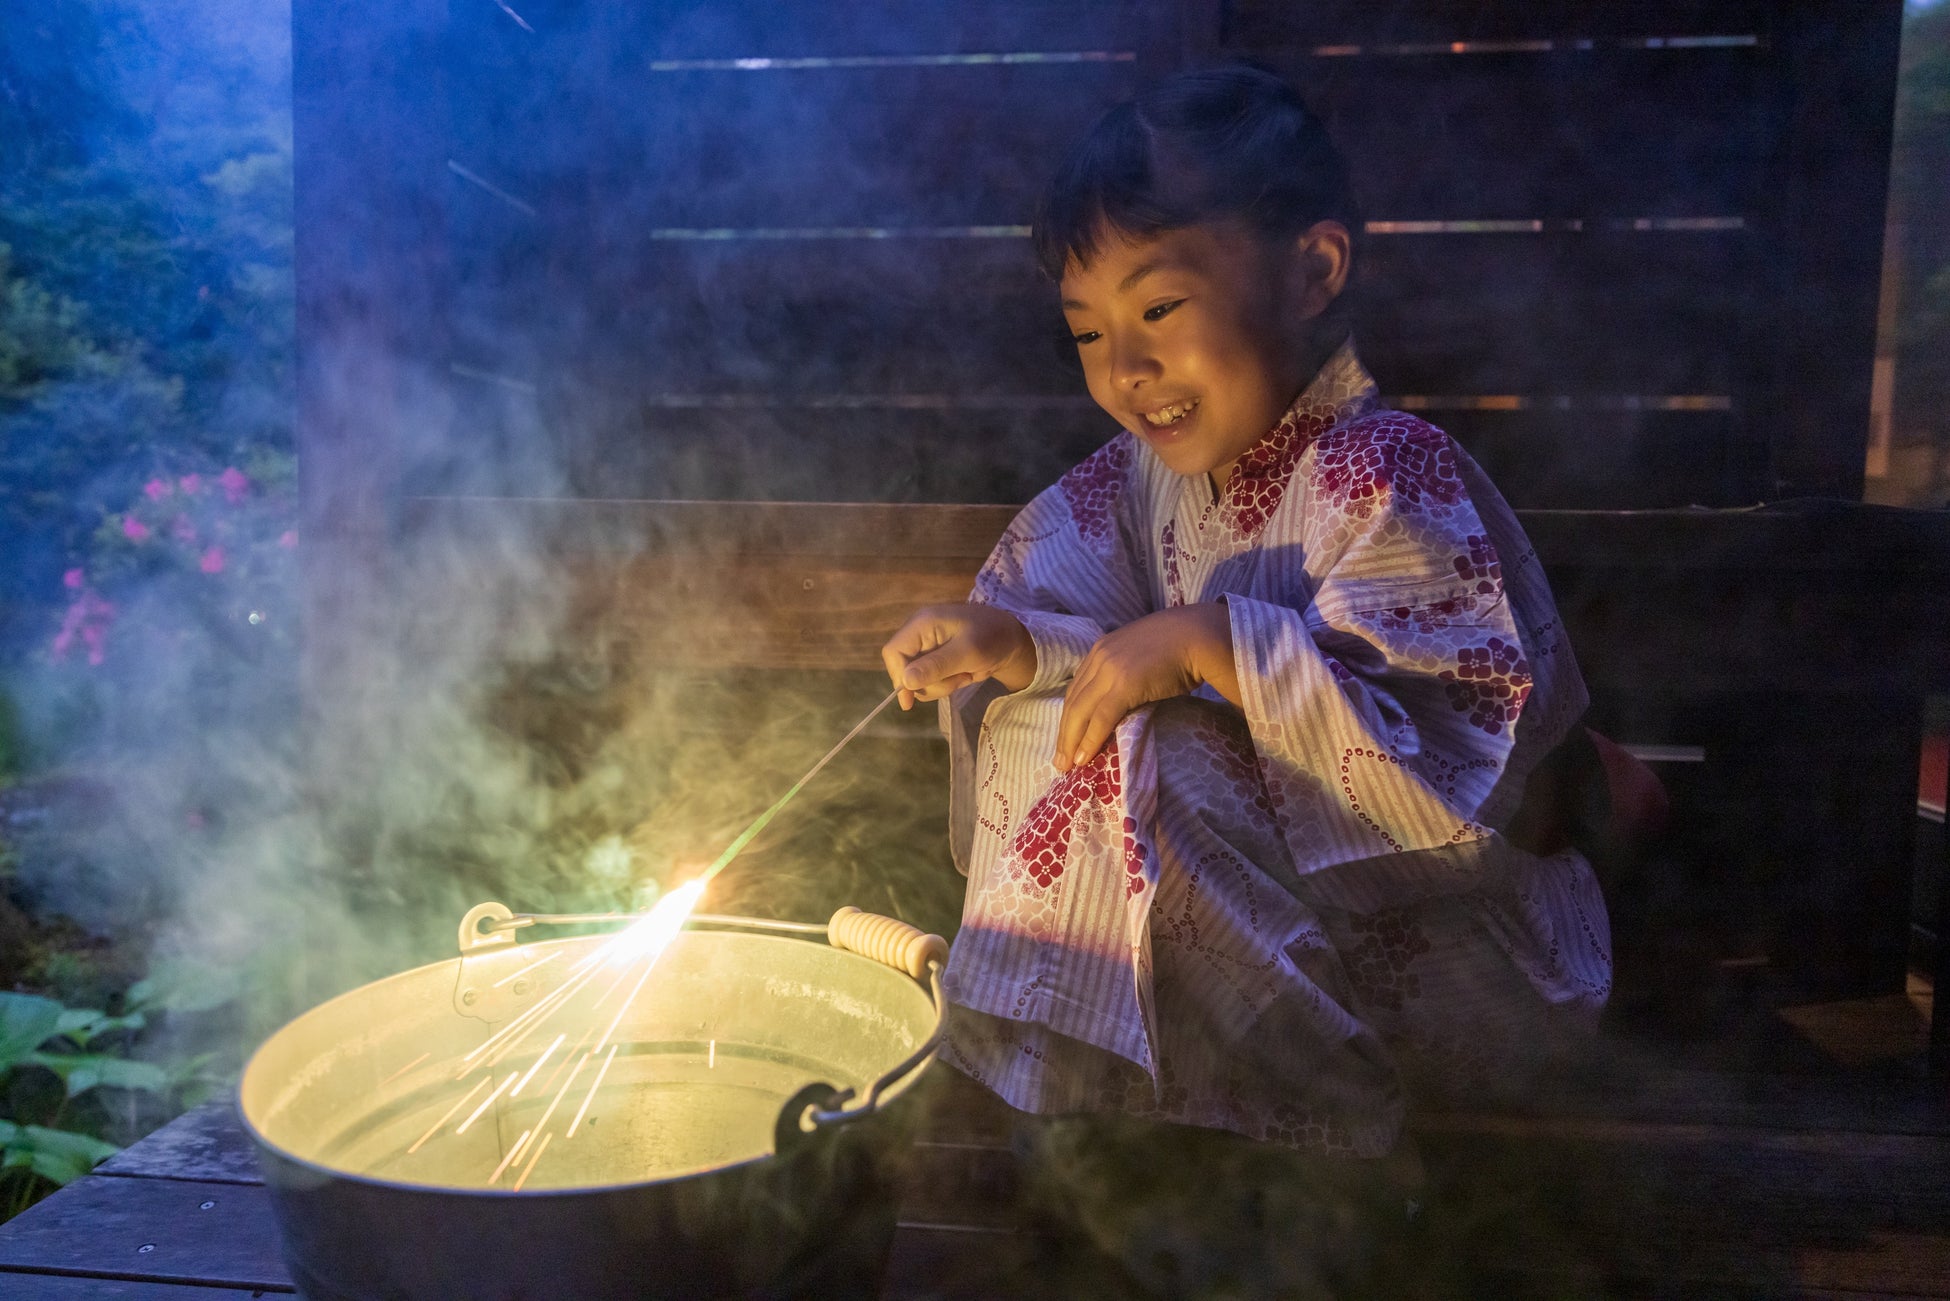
<point>80,1052</point>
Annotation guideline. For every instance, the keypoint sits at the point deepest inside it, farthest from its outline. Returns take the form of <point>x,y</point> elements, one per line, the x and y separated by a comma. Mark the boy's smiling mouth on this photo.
<point>1166,417</point>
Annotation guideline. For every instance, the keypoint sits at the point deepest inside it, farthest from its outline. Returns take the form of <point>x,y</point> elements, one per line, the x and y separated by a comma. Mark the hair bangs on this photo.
<point>1107,186</point>
<point>1227,142</point>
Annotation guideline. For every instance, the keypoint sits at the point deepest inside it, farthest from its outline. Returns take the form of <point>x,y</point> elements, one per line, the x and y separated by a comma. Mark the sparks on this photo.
<point>547,1053</point>
<point>509,1159</point>
<point>649,937</point>
<point>595,1084</point>
<point>487,1102</point>
<point>540,1148</point>
<point>421,1141</point>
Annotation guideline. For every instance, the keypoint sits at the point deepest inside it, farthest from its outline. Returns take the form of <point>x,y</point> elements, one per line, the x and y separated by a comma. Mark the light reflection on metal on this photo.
<point>473,179</point>
<point>838,232</point>
<point>891,61</point>
<point>1579,44</point>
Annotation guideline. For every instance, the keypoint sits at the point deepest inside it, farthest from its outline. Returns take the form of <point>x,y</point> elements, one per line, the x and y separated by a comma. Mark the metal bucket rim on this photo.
<point>267,1146</point>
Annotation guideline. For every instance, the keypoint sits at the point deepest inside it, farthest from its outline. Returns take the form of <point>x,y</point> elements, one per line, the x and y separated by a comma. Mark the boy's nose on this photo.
<point>1131,364</point>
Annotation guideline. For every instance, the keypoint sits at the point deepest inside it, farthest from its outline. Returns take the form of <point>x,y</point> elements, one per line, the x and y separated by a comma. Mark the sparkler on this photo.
<point>633,950</point>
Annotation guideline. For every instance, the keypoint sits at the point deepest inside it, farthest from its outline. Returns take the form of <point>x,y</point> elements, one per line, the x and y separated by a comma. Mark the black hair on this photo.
<point>1227,142</point>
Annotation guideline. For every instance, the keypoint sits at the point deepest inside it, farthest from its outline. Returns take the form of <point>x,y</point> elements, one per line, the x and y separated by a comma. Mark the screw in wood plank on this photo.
<point>206,1206</point>
<point>806,584</point>
<point>145,1249</point>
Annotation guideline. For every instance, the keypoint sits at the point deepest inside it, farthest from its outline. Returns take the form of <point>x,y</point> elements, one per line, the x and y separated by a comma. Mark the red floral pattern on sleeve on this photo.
<point>1093,488</point>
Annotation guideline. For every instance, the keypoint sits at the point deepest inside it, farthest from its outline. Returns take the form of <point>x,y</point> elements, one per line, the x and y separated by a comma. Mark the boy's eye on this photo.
<point>1087,336</point>
<point>1161,310</point>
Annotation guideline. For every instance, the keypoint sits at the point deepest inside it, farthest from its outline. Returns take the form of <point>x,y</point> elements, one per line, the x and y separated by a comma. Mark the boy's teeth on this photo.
<point>1171,414</point>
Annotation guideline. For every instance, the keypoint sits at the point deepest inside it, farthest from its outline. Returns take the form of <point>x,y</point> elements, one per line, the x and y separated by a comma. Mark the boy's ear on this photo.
<point>1324,255</point>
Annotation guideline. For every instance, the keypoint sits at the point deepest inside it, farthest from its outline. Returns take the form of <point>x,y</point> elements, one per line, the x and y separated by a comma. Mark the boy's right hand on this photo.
<point>942,648</point>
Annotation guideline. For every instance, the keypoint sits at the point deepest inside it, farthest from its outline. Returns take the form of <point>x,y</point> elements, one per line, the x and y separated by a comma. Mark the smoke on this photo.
<point>277,810</point>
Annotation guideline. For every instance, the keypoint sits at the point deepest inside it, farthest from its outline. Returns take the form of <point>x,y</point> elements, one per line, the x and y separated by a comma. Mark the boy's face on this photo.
<point>1198,340</point>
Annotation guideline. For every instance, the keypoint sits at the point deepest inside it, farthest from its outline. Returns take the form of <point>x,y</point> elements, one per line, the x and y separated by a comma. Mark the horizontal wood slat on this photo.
<point>1661,601</point>
<point>57,1287</point>
<point>1353,22</point>
<point>165,1230</point>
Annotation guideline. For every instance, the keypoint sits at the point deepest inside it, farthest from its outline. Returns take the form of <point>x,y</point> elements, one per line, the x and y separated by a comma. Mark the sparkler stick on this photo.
<point>746,837</point>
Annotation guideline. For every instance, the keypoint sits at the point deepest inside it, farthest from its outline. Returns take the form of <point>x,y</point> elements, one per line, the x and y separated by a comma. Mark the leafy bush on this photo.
<point>61,1069</point>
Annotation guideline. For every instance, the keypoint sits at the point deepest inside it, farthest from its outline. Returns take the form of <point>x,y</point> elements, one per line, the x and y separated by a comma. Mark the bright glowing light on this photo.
<point>649,937</point>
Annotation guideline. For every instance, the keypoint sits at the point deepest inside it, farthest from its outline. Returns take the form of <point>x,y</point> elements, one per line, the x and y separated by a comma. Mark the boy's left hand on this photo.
<point>1162,655</point>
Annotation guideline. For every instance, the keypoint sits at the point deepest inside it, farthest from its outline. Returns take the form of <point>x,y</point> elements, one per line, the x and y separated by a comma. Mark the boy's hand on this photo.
<point>943,648</point>
<point>1157,657</point>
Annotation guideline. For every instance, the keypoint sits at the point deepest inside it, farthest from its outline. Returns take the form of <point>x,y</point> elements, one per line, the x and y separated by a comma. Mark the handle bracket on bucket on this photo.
<point>814,1116</point>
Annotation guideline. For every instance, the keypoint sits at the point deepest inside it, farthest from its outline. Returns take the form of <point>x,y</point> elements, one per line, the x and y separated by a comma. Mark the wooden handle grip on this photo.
<point>885,939</point>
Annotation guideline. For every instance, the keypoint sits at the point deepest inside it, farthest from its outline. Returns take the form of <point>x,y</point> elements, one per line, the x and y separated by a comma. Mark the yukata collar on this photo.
<point>1341,390</point>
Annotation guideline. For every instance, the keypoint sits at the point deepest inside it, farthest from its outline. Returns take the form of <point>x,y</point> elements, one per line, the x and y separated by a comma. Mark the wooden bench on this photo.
<point>1647,1181</point>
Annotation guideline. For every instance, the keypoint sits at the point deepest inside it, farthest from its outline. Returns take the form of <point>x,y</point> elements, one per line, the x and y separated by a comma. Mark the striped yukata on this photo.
<point>1258,918</point>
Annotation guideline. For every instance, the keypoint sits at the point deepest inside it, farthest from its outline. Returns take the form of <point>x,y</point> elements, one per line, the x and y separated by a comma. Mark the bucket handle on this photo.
<point>838,1113</point>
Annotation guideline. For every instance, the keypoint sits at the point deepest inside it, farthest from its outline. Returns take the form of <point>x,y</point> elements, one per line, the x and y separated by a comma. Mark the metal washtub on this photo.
<point>736,1145</point>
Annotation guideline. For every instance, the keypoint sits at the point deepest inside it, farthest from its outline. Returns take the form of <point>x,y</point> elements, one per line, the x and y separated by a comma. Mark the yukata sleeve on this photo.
<point>1383,705</point>
<point>1070,568</point>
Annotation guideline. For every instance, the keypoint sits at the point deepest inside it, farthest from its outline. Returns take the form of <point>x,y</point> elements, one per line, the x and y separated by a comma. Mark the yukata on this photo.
<point>1259,918</point>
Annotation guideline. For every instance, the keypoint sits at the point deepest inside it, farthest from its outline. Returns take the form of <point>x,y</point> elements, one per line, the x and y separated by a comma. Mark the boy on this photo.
<point>1241,706</point>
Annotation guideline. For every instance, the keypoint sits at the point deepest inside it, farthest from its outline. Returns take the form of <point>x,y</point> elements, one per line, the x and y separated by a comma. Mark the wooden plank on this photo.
<point>1832,539</point>
<point>61,1287</point>
<point>1679,1205</point>
<point>875,146</point>
<point>162,1230</point>
<point>624,40</point>
<point>1261,23</point>
<point>1604,132</point>
<point>1835,107</point>
<point>207,1143</point>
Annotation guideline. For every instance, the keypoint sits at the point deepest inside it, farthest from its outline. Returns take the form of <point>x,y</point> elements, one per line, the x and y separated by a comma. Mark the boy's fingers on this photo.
<point>956,658</point>
<point>1080,702</point>
<point>945,687</point>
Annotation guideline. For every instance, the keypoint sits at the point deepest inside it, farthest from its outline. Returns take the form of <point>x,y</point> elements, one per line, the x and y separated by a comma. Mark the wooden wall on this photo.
<point>1626,251</point>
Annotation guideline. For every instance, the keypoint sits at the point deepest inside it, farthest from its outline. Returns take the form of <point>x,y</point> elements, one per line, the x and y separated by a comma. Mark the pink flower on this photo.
<point>86,620</point>
<point>157,489</point>
<point>73,579</point>
<point>288,539</point>
<point>235,484</point>
<point>191,483</point>
<point>213,561</point>
<point>134,529</point>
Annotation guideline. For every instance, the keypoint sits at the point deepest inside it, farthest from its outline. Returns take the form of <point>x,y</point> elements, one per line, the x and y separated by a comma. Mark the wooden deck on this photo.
<point>1633,1176</point>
